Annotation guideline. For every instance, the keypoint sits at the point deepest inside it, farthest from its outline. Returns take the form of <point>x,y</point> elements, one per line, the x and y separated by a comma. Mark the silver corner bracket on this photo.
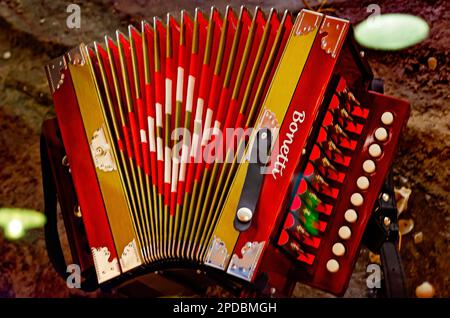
<point>244,267</point>
<point>54,73</point>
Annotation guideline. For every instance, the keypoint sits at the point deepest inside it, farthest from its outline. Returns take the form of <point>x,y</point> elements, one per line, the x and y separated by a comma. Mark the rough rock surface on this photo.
<point>35,31</point>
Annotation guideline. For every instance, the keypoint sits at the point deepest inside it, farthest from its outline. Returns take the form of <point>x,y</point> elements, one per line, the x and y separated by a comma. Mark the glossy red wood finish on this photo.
<point>82,168</point>
<point>307,98</point>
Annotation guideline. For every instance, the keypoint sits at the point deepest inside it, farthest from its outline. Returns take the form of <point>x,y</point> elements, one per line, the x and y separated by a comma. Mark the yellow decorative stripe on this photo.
<point>110,181</point>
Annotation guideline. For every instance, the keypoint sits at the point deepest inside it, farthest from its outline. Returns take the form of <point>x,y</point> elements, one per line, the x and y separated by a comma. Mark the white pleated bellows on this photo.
<point>369,166</point>
<point>332,266</point>
<point>345,232</point>
<point>387,118</point>
<point>381,134</point>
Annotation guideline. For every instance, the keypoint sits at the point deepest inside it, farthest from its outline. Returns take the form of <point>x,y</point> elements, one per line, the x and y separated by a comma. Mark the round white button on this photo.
<point>387,118</point>
<point>345,232</point>
<point>332,266</point>
<point>381,134</point>
<point>351,216</point>
<point>369,166</point>
<point>375,150</point>
<point>244,214</point>
<point>356,199</point>
<point>362,183</point>
<point>338,249</point>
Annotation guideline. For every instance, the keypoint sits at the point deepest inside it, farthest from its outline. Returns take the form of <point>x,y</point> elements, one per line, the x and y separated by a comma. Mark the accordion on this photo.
<point>242,143</point>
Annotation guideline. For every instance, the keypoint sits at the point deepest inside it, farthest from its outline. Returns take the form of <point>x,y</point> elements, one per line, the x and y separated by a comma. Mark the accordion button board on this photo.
<point>146,120</point>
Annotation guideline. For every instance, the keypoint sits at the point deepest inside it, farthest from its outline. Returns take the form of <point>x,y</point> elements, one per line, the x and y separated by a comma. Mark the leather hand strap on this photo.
<point>58,184</point>
<point>394,277</point>
<point>253,180</point>
<point>52,241</point>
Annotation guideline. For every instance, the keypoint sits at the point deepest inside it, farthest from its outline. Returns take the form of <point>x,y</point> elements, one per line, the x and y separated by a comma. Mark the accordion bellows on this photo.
<point>244,142</point>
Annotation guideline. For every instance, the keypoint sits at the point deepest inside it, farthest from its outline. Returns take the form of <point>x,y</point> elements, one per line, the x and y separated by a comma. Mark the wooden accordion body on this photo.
<point>144,120</point>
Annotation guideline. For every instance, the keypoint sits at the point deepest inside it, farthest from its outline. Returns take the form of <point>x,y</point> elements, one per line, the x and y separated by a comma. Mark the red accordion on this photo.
<point>242,143</point>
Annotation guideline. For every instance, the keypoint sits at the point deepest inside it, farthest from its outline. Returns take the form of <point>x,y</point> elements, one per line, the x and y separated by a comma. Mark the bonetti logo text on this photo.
<point>282,157</point>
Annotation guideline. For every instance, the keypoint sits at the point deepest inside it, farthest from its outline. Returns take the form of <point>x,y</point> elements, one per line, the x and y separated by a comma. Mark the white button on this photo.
<point>345,232</point>
<point>387,118</point>
<point>338,249</point>
<point>244,214</point>
<point>332,266</point>
<point>356,199</point>
<point>351,216</point>
<point>375,150</point>
<point>381,134</point>
<point>362,183</point>
<point>369,166</point>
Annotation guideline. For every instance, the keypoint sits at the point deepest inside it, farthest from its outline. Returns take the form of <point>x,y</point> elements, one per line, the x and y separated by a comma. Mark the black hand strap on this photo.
<point>394,277</point>
<point>253,180</point>
<point>381,237</point>
<point>52,152</point>
<point>52,241</point>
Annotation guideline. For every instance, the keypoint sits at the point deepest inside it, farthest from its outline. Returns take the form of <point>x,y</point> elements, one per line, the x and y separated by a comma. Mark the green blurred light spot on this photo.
<point>393,31</point>
<point>310,214</point>
<point>311,222</point>
<point>14,230</point>
<point>15,221</point>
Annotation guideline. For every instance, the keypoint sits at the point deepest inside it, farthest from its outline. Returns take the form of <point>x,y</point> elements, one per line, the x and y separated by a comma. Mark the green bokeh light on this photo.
<point>15,222</point>
<point>310,214</point>
<point>393,31</point>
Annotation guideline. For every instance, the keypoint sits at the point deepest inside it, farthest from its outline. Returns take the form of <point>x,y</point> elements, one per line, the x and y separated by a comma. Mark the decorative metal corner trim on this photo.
<point>307,22</point>
<point>217,255</point>
<point>54,72</point>
<point>268,120</point>
<point>101,152</point>
<point>244,267</point>
<point>75,56</point>
<point>105,269</point>
<point>130,257</point>
<point>335,30</point>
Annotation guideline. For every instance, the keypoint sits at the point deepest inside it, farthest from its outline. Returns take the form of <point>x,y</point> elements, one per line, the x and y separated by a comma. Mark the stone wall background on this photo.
<point>34,31</point>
